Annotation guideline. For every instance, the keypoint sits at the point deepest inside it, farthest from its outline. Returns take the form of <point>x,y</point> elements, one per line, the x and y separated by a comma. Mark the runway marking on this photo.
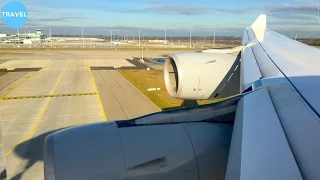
<point>23,82</point>
<point>98,96</point>
<point>35,126</point>
<point>53,95</point>
<point>11,69</point>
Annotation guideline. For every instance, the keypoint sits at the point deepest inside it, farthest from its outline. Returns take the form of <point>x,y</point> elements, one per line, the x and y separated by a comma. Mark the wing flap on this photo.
<point>301,126</point>
<point>259,148</point>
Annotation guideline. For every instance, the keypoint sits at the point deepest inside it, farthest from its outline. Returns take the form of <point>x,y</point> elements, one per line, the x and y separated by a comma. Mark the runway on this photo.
<point>64,93</point>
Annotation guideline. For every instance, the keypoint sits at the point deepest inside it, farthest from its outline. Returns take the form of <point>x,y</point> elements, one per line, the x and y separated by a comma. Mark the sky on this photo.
<point>177,17</point>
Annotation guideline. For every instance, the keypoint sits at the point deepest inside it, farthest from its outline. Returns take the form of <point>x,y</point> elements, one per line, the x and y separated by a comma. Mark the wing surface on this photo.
<point>289,71</point>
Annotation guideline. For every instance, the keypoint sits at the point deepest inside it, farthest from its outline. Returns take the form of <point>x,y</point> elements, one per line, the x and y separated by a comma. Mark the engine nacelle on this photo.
<point>188,143</point>
<point>202,75</point>
<point>195,151</point>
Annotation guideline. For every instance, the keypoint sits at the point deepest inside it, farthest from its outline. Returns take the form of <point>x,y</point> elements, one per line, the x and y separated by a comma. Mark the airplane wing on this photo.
<point>287,73</point>
<point>268,129</point>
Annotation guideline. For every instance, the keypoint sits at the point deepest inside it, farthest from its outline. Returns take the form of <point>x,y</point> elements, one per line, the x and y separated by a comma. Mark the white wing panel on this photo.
<point>299,63</point>
<point>250,71</point>
<point>267,68</point>
<point>292,57</point>
<point>245,38</point>
<point>301,126</point>
<point>259,148</point>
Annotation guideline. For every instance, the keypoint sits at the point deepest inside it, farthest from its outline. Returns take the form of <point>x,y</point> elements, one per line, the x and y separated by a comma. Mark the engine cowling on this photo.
<point>188,151</point>
<point>202,75</point>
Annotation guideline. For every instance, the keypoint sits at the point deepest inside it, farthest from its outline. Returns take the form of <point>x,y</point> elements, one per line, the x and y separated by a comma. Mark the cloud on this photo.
<point>178,9</point>
<point>298,15</point>
<point>300,11</point>
<point>64,19</point>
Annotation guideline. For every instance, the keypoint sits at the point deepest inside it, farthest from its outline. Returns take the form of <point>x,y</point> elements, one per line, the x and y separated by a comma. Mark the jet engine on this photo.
<point>202,75</point>
<point>106,151</point>
<point>188,144</point>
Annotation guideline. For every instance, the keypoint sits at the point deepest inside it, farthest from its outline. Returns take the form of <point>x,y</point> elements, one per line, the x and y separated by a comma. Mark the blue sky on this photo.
<point>226,17</point>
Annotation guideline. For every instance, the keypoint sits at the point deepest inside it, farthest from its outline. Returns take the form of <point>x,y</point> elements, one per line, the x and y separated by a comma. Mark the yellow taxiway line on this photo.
<point>98,95</point>
<point>23,82</point>
<point>51,95</point>
<point>11,69</point>
<point>35,126</point>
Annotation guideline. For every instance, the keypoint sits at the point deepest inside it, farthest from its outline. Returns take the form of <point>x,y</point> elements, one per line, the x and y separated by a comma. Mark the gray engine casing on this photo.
<point>188,151</point>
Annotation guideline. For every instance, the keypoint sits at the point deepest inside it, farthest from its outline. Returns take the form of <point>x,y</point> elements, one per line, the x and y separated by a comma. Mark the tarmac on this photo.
<point>120,99</point>
<point>64,93</point>
<point>2,157</point>
<point>23,64</point>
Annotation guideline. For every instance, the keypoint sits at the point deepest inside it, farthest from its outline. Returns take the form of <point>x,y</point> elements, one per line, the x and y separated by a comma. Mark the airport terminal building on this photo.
<point>26,38</point>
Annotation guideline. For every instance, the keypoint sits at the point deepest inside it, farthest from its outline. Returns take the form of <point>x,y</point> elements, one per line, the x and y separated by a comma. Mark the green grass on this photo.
<point>143,80</point>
